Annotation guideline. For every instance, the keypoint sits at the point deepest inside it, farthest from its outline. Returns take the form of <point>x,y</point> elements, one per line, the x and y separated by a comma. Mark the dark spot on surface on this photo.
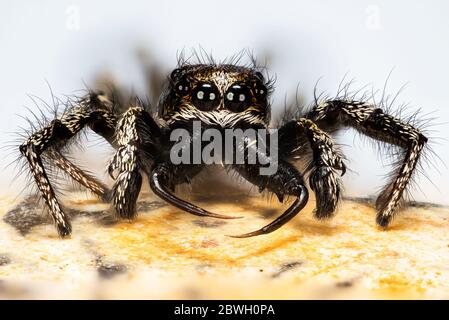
<point>371,200</point>
<point>260,270</point>
<point>425,205</point>
<point>286,267</point>
<point>203,267</point>
<point>107,220</point>
<point>191,293</point>
<point>4,260</point>
<point>109,270</point>
<point>344,284</point>
<point>145,205</point>
<point>208,224</point>
<point>268,213</point>
<point>26,215</point>
<point>31,212</point>
<point>101,217</point>
<point>81,213</point>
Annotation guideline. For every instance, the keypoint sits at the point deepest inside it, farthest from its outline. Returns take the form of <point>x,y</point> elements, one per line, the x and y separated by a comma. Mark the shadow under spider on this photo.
<point>30,213</point>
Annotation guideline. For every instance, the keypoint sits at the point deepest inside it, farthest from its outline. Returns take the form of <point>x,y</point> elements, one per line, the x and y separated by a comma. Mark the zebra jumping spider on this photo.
<point>221,96</point>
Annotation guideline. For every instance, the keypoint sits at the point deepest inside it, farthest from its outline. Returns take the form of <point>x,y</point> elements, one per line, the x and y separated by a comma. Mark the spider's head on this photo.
<point>208,90</point>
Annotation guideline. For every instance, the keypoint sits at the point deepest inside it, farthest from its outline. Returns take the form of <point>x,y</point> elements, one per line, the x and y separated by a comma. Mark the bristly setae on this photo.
<point>223,96</point>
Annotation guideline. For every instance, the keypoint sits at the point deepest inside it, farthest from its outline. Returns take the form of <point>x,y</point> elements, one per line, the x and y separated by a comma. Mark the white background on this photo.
<point>68,43</point>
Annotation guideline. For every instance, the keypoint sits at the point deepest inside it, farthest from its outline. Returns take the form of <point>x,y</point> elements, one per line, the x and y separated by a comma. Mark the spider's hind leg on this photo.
<point>85,179</point>
<point>372,121</point>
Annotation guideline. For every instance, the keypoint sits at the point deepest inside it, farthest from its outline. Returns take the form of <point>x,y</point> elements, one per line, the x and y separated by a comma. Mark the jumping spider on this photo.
<point>220,96</point>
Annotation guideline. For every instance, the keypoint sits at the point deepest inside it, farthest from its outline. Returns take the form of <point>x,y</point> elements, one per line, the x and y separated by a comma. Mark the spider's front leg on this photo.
<point>373,122</point>
<point>296,138</point>
<point>94,111</point>
<point>142,147</point>
<point>287,181</point>
<point>138,141</point>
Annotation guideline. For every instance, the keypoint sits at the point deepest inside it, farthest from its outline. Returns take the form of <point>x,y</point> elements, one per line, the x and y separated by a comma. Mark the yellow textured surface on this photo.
<point>166,253</point>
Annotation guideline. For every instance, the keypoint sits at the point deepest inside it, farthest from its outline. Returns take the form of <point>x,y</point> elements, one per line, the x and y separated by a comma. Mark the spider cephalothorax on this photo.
<point>219,96</point>
<point>221,92</point>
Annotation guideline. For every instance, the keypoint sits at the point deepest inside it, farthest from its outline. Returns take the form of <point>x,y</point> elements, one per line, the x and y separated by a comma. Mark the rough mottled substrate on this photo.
<point>167,253</point>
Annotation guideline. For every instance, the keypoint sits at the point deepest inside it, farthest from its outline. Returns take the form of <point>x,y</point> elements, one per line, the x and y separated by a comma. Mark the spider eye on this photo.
<point>237,98</point>
<point>182,88</point>
<point>260,92</point>
<point>206,97</point>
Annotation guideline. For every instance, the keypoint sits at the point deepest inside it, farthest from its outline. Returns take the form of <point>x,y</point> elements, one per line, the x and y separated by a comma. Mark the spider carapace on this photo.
<point>223,96</point>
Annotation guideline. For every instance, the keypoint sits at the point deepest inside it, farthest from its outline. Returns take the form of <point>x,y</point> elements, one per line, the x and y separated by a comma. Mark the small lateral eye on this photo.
<point>182,88</point>
<point>260,91</point>
<point>237,98</point>
<point>206,97</point>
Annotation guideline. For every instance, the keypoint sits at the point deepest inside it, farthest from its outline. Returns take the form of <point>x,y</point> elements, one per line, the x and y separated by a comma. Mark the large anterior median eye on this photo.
<point>206,97</point>
<point>237,98</point>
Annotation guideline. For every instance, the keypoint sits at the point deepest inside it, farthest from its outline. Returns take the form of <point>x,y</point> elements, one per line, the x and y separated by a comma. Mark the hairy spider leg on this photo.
<point>82,177</point>
<point>303,137</point>
<point>93,111</point>
<point>373,122</point>
<point>324,179</point>
<point>140,148</point>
